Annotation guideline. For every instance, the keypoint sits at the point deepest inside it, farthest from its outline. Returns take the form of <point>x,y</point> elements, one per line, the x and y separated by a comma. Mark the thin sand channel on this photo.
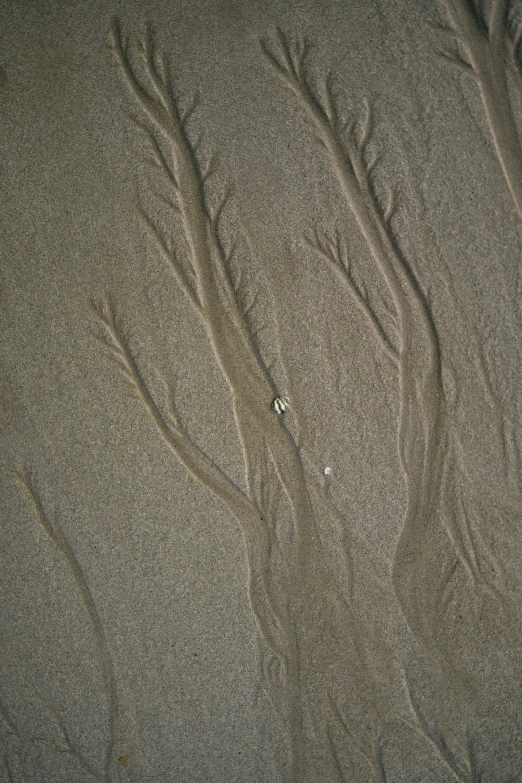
<point>262,411</point>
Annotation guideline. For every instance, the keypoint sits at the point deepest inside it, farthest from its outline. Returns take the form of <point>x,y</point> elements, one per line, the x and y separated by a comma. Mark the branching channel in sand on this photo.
<point>303,618</point>
<point>425,440</point>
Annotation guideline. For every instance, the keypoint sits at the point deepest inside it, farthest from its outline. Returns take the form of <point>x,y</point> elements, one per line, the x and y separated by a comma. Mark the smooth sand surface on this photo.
<point>261,329</point>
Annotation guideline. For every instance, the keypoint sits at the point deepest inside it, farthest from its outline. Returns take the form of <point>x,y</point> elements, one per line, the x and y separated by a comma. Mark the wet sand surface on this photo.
<point>260,392</point>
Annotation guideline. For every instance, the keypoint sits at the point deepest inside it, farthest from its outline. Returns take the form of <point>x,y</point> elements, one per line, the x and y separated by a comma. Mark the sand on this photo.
<point>260,410</point>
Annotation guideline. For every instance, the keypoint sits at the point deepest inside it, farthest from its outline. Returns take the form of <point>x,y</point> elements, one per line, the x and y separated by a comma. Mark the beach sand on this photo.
<point>260,392</point>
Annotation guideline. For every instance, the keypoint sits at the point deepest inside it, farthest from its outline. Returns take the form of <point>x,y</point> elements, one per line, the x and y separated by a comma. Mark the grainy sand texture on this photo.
<point>260,391</point>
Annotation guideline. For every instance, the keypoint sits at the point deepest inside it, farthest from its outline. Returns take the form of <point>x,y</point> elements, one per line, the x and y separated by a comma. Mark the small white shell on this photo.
<point>280,405</point>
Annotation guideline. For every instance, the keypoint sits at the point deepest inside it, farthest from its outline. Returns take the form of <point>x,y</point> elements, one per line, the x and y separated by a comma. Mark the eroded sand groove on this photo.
<point>305,622</point>
<point>108,772</point>
<point>425,444</point>
<point>491,39</point>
